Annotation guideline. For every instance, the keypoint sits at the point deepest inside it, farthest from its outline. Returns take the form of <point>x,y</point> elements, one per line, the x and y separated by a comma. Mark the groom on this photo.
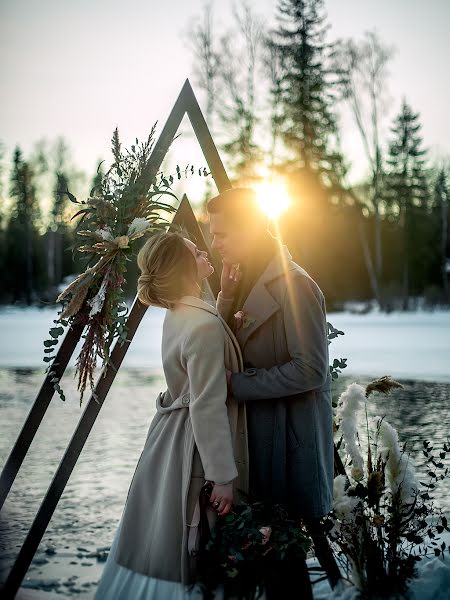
<point>277,312</point>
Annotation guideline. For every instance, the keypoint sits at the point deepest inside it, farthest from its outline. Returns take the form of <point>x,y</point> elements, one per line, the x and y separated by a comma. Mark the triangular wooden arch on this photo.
<point>186,103</point>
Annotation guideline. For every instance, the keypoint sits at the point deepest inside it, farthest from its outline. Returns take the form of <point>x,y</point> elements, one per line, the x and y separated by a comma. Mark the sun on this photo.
<point>273,197</point>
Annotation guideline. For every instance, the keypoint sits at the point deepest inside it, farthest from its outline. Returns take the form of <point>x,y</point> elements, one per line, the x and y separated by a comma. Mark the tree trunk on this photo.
<point>29,264</point>
<point>444,239</point>
<point>368,260</point>
<point>50,257</point>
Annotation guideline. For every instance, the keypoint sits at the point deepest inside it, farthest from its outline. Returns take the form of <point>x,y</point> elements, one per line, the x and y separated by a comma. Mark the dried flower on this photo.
<point>383,384</point>
<point>349,404</point>
<point>122,241</point>
<point>378,520</point>
<point>399,466</point>
<point>76,302</point>
<point>380,524</point>
<point>243,319</point>
<point>98,300</point>
<point>357,474</point>
<point>343,504</point>
<point>375,486</point>
<point>266,531</point>
<point>239,316</point>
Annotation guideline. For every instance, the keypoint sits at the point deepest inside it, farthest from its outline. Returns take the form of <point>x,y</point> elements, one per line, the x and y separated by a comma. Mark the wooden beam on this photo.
<point>186,215</point>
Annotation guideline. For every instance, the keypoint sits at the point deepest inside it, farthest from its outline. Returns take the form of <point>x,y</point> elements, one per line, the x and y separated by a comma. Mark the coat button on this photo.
<point>185,400</point>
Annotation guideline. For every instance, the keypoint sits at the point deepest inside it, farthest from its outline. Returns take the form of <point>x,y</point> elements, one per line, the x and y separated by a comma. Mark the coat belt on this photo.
<point>182,401</point>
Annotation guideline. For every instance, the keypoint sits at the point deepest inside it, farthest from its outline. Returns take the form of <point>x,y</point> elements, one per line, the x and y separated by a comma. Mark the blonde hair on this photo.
<point>166,265</point>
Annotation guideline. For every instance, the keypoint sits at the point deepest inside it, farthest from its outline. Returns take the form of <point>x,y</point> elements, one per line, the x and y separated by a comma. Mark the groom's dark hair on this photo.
<point>240,206</point>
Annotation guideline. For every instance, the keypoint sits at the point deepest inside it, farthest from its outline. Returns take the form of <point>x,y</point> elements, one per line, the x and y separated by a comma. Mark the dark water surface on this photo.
<point>70,557</point>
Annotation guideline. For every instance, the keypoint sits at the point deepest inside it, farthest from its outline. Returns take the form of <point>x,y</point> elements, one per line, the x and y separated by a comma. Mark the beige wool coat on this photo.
<point>198,432</point>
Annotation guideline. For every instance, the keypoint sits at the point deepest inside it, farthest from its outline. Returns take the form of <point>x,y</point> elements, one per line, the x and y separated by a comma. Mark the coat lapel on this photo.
<point>260,304</point>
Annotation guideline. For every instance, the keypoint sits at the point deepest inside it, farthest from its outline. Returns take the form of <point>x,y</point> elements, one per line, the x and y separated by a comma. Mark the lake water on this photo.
<point>87,515</point>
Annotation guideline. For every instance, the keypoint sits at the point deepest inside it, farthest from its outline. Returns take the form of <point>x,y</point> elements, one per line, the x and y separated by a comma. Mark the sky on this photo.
<point>79,69</point>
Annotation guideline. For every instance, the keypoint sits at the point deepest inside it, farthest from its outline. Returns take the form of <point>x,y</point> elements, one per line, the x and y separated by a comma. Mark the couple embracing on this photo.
<point>247,405</point>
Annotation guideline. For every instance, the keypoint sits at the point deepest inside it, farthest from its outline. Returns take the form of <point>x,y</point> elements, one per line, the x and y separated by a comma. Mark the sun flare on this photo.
<point>273,197</point>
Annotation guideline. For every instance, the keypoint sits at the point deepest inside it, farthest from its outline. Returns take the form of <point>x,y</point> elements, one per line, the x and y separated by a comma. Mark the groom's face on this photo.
<point>234,243</point>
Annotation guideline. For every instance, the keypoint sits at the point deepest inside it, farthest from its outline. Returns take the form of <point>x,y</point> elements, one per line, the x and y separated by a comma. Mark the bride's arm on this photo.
<point>203,353</point>
<point>223,305</point>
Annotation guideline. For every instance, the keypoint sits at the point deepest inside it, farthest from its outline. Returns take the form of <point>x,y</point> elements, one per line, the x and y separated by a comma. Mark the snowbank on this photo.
<point>404,345</point>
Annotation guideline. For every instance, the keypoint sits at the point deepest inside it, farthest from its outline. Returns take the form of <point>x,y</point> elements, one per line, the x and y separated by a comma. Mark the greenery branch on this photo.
<point>124,205</point>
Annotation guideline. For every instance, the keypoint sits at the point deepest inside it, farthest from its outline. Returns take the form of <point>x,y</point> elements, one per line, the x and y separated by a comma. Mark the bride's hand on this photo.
<point>229,279</point>
<point>224,495</point>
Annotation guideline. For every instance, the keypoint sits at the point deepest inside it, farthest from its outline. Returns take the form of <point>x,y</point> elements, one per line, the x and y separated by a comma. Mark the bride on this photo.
<point>198,434</point>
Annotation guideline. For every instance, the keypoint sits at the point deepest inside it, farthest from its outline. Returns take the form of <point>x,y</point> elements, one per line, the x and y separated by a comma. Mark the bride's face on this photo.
<point>204,267</point>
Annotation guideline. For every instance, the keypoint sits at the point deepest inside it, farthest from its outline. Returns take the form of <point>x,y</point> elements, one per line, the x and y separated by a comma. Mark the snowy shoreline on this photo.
<point>414,345</point>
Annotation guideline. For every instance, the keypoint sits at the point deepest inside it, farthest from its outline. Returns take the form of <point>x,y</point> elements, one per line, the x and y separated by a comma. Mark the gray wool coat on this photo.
<point>198,432</point>
<point>286,387</point>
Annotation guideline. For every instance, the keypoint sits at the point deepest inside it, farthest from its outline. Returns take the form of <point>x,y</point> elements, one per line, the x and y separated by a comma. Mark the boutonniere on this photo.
<point>243,319</point>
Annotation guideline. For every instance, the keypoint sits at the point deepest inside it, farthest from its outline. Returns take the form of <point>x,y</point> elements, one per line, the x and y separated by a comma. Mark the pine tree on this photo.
<point>441,205</point>
<point>21,235</point>
<point>408,196</point>
<point>309,129</point>
<point>58,233</point>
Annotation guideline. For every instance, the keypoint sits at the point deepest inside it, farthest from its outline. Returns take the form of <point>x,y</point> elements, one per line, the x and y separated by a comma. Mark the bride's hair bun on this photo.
<point>167,267</point>
<point>146,278</point>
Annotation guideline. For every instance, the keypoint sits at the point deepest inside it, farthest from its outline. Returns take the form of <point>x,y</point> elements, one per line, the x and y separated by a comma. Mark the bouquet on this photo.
<point>246,546</point>
<point>384,520</point>
<point>122,207</point>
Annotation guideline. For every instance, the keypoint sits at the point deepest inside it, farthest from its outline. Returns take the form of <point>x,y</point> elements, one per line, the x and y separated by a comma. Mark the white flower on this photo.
<point>105,233</point>
<point>349,403</point>
<point>339,485</point>
<point>266,532</point>
<point>357,474</point>
<point>97,301</point>
<point>343,505</point>
<point>137,227</point>
<point>400,472</point>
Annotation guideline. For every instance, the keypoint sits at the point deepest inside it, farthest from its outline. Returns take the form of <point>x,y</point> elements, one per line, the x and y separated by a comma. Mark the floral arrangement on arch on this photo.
<point>384,520</point>
<point>122,207</point>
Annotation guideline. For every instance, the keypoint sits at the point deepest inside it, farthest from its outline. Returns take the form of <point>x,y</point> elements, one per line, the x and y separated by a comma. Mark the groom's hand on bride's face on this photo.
<point>229,279</point>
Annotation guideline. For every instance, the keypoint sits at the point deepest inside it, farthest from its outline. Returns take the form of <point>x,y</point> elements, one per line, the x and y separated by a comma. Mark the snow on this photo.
<point>412,345</point>
<point>23,331</point>
<point>408,345</point>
